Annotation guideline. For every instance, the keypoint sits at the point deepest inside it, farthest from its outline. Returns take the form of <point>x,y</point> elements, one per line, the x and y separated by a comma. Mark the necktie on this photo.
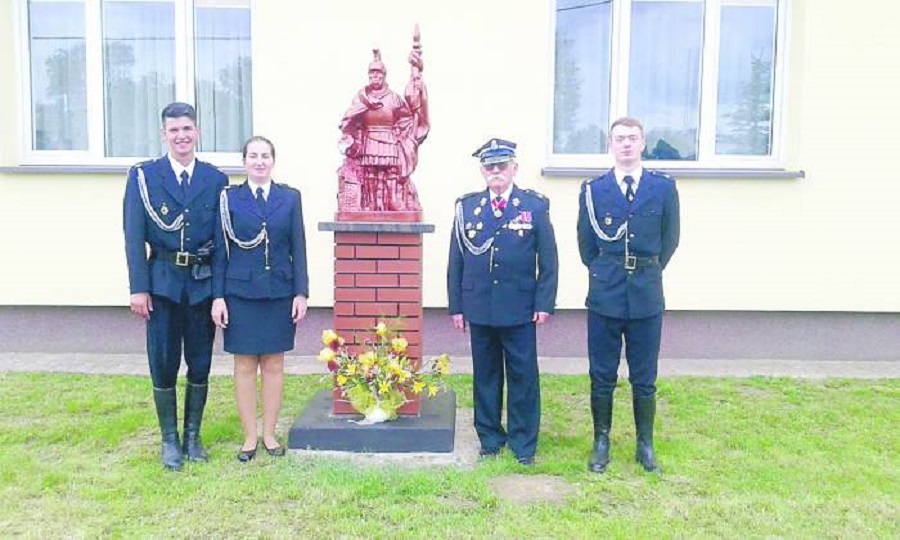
<point>499,205</point>
<point>629,192</point>
<point>260,200</point>
<point>185,182</point>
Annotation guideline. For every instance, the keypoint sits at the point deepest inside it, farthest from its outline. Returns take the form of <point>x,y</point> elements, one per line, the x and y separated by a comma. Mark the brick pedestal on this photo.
<point>377,276</point>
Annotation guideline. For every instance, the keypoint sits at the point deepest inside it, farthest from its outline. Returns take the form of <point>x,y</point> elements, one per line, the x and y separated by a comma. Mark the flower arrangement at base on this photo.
<point>377,381</point>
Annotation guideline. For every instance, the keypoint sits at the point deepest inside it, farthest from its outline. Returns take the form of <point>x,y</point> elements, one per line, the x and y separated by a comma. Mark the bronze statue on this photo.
<point>382,132</point>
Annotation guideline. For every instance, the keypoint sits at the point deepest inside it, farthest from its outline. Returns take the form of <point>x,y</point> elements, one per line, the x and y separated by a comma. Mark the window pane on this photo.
<point>223,86</point>
<point>664,75</point>
<point>58,86</point>
<point>138,72</point>
<point>746,73</point>
<point>581,90</point>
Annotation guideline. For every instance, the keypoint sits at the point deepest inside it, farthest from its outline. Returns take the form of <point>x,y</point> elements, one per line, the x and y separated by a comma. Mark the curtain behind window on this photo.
<point>58,84</point>
<point>138,71</point>
<point>223,74</point>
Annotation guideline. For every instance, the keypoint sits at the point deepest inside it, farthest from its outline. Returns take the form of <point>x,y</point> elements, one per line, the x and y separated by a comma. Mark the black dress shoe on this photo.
<point>278,451</point>
<point>527,461</point>
<point>246,456</point>
<point>488,452</point>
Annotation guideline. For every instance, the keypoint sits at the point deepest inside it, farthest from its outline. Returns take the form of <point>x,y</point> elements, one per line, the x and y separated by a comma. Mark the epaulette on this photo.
<point>535,193</point>
<point>467,195</point>
<point>660,173</point>
<point>142,163</point>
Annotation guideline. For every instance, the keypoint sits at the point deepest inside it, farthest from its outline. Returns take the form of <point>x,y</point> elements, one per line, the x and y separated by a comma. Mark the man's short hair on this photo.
<point>627,121</point>
<point>178,110</point>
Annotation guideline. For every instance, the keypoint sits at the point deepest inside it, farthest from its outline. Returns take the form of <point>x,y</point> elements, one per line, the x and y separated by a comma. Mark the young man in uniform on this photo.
<point>170,206</point>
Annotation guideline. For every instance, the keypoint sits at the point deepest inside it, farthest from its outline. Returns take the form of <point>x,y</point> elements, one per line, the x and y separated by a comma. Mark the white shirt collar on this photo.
<point>621,174</point>
<point>265,187</point>
<point>178,167</point>
<point>505,194</point>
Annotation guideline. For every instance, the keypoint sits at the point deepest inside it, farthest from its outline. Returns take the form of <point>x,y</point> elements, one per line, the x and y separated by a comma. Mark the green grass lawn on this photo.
<point>752,457</point>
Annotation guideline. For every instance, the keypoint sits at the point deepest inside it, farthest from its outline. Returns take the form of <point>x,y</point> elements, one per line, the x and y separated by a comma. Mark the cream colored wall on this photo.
<point>810,244</point>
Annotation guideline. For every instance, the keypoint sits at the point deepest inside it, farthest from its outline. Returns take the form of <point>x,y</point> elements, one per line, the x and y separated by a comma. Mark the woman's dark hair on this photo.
<point>258,138</point>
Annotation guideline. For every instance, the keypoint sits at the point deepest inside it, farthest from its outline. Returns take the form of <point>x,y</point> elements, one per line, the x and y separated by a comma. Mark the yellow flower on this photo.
<point>351,368</point>
<point>381,329</point>
<point>329,336</point>
<point>418,386</point>
<point>367,359</point>
<point>326,355</point>
<point>341,380</point>
<point>384,386</point>
<point>399,344</point>
<point>443,364</point>
<point>432,391</point>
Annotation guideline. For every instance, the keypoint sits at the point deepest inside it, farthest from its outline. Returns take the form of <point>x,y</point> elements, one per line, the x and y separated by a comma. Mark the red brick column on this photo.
<point>378,276</point>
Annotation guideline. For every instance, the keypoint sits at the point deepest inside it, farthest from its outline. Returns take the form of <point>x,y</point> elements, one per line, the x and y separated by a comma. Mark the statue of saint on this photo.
<point>382,132</point>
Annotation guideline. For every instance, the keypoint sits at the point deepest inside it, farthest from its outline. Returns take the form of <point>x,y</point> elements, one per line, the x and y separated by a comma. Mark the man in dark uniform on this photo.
<point>502,280</point>
<point>170,205</point>
<point>628,229</point>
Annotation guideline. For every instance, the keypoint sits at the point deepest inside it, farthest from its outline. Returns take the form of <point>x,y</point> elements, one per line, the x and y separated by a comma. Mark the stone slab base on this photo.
<point>432,431</point>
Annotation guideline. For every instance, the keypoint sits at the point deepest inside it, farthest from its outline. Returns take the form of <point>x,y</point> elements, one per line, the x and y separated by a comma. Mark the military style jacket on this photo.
<point>502,269</point>
<point>260,253</point>
<point>620,288</point>
<point>159,273</point>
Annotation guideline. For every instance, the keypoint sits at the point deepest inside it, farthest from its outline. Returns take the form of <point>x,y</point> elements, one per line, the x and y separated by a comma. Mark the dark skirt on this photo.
<point>259,326</point>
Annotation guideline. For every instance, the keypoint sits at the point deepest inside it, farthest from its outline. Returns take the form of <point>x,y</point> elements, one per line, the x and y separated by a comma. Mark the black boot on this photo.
<point>601,410</point>
<point>194,402</point>
<point>167,412</point>
<point>644,413</point>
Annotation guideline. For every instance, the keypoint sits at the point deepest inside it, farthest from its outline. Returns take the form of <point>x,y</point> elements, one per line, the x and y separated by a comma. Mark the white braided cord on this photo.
<point>589,202</point>
<point>228,229</point>
<point>463,240</point>
<point>145,198</point>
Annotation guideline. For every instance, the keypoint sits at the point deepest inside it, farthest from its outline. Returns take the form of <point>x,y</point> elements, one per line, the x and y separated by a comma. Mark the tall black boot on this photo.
<point>194,402</point>
<point>167,413</point>
<point>601,410</point>
<point>644,414</point>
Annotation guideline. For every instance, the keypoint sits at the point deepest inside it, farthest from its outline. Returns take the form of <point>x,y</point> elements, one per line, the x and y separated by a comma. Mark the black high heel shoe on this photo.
<point>246,456</point>
<point>278,451</point>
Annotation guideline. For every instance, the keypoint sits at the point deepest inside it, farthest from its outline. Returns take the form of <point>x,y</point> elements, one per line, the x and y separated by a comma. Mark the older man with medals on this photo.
<point>628,230</point>
<point>502,280</point>
<point>170,206</point>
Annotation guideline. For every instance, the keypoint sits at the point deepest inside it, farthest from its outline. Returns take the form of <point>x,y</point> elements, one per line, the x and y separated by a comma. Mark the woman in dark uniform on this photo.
<point>260,287</point>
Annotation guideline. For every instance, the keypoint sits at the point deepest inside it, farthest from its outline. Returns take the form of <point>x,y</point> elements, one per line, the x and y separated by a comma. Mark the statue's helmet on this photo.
<point>376,64</point>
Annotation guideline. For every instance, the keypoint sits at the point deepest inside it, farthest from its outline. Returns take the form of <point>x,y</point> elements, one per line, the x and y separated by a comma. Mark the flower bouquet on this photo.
<point>377,381</point>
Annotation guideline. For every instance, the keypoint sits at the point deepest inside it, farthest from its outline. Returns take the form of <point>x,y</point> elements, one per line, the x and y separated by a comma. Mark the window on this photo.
<point>702,76</point>
<point>100,71</point>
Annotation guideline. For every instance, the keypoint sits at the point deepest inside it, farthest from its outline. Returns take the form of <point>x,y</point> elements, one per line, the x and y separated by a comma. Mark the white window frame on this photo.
<point>184,86</point>
<point>618,106</point>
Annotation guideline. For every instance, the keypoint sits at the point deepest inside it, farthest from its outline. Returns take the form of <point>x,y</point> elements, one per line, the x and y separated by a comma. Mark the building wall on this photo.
<point>818,243</point>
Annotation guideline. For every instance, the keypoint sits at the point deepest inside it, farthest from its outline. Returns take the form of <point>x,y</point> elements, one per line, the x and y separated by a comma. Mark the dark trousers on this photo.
<point>641,337</point>
<point>512,349</point>
<point>171,325</point>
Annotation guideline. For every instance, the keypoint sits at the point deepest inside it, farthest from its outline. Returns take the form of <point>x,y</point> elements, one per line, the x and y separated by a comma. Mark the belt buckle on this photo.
<point>182,258</point>
<point>630,262</point>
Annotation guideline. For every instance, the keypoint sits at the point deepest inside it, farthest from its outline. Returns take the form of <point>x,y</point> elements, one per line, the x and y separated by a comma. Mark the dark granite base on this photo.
<point>432,431</point>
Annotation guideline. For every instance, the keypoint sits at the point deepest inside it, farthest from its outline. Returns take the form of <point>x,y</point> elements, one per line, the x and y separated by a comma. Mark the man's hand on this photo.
<point>459,322</point>
<point>142,305</point>
<point>298,310</point>
<point>540,317</point>
<point>220,313</point>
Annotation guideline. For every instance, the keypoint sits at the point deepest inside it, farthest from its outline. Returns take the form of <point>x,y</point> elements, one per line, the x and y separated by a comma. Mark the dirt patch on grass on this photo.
<point>531,489</point>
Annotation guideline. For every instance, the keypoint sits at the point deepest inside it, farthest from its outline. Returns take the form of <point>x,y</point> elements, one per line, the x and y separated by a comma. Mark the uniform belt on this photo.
<point>631,262</point>
<point>180,258</point>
